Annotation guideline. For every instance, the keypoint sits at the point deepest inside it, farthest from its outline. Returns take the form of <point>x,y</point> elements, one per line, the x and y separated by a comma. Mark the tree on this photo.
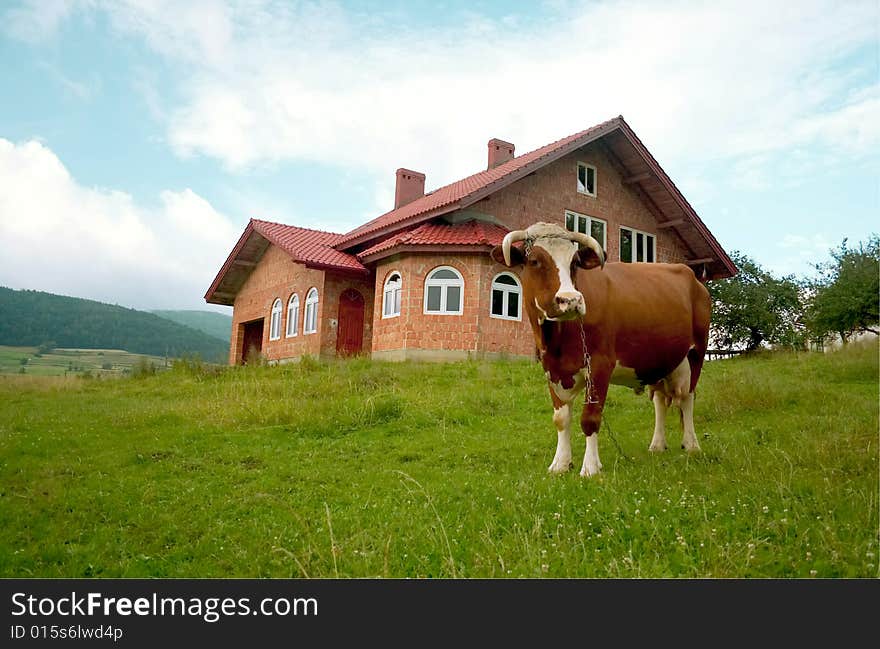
<point>845,294</point>
<point>754,307</point>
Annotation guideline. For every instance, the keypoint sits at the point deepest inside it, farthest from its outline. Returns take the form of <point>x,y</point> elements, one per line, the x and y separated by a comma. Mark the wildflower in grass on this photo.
<point>765,509</point>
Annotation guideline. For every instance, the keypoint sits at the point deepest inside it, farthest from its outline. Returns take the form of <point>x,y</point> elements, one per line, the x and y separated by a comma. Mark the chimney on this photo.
<point>410,186</point>
<point>499,152</point>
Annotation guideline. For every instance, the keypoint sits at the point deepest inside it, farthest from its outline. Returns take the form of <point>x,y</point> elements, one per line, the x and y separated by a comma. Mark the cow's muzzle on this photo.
<point>570,305</point>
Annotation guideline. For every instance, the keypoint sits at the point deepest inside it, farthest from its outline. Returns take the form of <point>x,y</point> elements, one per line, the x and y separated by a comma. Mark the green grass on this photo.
<point>70,362</point>
<point>363,469</point>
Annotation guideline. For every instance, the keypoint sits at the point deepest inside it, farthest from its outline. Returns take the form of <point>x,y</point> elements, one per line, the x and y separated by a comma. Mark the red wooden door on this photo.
<point>252,340</point>
<point>350,330</point>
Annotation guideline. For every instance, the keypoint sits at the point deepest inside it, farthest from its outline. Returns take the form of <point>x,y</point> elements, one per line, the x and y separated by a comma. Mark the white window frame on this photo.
<point>292,316</point>
<point>395,291</point>
<point>585,191</point>
<point>310,315</point>
<point>506,290</point>
<point>444,285</point>
<point>275,320</point>
<point>589,219</point>
<point>634,251</point>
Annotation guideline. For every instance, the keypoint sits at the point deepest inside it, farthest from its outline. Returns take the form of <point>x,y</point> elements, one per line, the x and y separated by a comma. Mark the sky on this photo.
<point>137,137</point>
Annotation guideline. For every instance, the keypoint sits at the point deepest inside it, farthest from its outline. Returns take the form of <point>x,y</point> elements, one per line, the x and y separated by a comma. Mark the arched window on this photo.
<point>310,323</point>
<point>275,320</point>
<point>444,291</point>
<point>506,297</point>
<point>391,296</point>
<point>292,315</point>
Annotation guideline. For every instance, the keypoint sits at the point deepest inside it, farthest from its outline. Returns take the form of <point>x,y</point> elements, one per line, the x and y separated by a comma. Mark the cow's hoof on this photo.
<point>691,448</point>
<point>559,467</point>
<point>657,448</point>
<point>589,473</point>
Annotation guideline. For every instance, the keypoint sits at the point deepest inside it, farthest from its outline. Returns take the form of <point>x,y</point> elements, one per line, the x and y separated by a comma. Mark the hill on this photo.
<point>32,318</point>
<point>218,325</point>
<point>422,470</point>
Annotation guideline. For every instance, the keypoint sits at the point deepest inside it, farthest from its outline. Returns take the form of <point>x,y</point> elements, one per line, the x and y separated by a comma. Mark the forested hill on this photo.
<point>212,323</point>
<point>32,318</point>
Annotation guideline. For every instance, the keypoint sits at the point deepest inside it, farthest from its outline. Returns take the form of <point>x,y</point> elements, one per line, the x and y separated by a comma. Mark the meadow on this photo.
<point>95,363</point>
<point>364,469</point>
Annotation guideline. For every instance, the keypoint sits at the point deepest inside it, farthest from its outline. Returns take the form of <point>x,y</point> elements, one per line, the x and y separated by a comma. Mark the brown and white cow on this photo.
<point>638,325</point>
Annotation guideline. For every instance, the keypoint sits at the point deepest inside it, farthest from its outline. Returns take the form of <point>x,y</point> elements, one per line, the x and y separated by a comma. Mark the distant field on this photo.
<point>365,469</point>
<point>65,362</point>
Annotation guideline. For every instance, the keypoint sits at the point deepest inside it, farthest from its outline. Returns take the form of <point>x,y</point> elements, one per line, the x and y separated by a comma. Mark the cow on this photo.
<point>633,324</point>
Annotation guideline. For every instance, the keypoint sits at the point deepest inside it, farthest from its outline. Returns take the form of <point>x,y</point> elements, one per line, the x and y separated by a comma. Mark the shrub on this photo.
<point>143,368</point>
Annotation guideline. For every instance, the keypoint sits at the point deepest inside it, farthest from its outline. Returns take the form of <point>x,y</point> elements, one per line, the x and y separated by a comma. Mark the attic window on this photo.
<point>584,224</point>
<point>636,246</point>
<point>586,179</point>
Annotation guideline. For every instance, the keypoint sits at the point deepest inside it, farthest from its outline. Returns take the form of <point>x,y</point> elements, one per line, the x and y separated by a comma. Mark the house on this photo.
<point>418,283</point>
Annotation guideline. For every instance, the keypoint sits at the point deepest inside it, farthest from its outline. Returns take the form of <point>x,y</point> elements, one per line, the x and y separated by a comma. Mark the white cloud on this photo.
<point>800,253</point>
<point>37,20</point>
<point>264,81</point>
<point>99,243</point>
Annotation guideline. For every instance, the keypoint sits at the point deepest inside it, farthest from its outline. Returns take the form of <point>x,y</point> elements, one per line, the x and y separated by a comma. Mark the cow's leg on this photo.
<point>562,402</point>
<point>591,419</point>
<point>689,437</point>
<point>562,419</point>
<point>658,442</point>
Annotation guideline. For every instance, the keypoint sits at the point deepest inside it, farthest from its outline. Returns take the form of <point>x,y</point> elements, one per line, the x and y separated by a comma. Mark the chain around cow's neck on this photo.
<point>589,392</point>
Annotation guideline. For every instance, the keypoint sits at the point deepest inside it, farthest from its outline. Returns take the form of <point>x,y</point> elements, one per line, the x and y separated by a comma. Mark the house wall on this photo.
<point>545,195</point>
<point>334,286</point>
<point>417,335</point>
<point>277,276</point>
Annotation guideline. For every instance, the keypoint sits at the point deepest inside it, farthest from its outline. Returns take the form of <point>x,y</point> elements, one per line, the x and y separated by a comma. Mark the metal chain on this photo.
<point>589,392</point>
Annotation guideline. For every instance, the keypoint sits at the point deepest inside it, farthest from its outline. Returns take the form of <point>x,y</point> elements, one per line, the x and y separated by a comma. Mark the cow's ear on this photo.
<point>517,257</point>
<point>587,258</point>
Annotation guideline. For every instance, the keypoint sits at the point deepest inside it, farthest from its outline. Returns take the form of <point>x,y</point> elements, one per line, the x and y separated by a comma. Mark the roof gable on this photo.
<point>638,168</point>
<point>469,190</point>
<point>314,248</point>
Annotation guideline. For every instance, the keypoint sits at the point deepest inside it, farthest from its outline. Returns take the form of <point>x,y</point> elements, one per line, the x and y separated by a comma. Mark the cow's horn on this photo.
<point>509,239</point>
<point>586,241</point>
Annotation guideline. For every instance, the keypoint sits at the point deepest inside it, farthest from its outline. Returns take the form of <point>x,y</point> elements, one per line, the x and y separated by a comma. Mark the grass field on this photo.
<point>71,362</point>
<point>362,469</point>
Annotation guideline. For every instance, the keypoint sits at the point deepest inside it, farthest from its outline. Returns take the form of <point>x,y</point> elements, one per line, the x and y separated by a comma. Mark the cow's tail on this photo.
<point>701,314</point>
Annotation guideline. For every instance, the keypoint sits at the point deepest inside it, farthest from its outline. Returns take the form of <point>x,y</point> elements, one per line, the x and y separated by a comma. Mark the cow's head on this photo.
<point>550,258</point>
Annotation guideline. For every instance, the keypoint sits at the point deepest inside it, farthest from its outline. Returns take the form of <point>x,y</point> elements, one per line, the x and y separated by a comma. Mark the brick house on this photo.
<point>418,282</point>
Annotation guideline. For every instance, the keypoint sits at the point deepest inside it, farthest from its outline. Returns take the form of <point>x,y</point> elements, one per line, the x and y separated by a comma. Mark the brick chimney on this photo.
<point>410,186</point>
<point>499,152</point>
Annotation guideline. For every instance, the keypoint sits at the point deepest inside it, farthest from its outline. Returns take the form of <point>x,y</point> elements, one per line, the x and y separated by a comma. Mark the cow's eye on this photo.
<point>534,263</point>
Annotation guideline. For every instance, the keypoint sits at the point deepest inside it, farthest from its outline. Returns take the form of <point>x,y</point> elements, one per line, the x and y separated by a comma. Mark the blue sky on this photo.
<point>138,136</point>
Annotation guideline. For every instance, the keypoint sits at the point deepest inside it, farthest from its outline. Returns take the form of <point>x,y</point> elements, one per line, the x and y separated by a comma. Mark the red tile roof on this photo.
<point>468,190</point>
<point>310,247</point>
<point>470,233</point>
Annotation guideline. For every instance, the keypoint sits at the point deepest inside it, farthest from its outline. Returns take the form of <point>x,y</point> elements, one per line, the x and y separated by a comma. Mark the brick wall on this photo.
<point>415,334</point>
<point>334,285</point>
<point>278,276</point>
<point>547,193</point>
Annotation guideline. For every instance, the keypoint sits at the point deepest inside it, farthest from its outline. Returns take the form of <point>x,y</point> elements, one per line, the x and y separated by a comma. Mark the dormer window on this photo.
<point>586,179</point>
